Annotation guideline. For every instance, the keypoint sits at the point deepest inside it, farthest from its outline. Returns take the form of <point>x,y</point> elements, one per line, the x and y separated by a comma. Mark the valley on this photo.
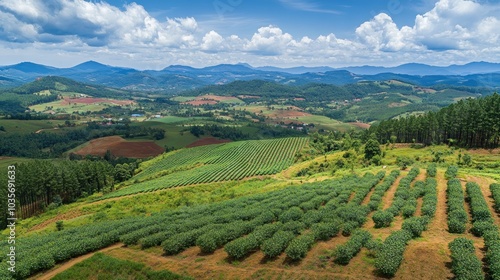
<point>251,178</point>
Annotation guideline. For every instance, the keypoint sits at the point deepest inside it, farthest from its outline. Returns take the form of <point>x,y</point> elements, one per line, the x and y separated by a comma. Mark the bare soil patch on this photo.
<point>120,147</point>
<point>207,141</point>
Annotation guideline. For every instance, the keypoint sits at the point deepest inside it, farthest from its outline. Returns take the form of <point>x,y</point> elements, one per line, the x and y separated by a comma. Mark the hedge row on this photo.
<point>451,172</point>
<point>457,216</point>
<point>481,215</point>
<point>299,246</point>
<point>431,170</point>
<point>484,225</point>
<point>429,200</point>
<point>390,256</point>
<point>345,252</point>
<point>495,192</point>
<point>383,218</point>
<point>379,191</point>
<point>464,262</point>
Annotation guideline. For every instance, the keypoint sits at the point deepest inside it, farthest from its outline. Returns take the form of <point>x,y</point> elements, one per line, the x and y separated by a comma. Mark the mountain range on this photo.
<point>176,78</point>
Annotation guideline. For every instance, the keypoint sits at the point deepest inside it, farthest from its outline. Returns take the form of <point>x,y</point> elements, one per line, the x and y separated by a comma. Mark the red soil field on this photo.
<point>91,100</point>
<point>207,141</point>
<point>120,147</point>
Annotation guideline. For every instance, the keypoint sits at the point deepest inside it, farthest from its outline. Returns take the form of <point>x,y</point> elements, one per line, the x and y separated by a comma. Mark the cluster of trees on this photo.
<point>224,132</point>
<point>262,131</point>
<point>473,123</point>
<point>51,145</point>
<point>42,184</point>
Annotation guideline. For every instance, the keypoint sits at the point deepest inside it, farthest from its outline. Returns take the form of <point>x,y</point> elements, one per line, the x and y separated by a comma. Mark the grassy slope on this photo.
<point>27,126</point>
<point>101,266</point>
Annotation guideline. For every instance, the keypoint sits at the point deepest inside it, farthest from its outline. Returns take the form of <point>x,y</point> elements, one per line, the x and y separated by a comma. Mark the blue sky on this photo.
<point>155,34</point>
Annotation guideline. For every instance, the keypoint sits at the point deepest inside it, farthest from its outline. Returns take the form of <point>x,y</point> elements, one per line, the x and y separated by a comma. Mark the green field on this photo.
<point>70,108</point>
<point>175,135</point>
<point>175,119</point>
<point>101,266</point>
<point>327,123</point>
<point>214,163</point>
<point>28,126</point>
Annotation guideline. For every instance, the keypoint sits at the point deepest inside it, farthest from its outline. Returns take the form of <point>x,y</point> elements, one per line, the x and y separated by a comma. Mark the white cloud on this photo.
<point>269,40</point>
<point>453,31</point>
<point>381,33</point>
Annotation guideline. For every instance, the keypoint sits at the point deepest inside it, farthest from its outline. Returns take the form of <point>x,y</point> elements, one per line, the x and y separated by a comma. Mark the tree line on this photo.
<point>44,185</point>
<point>471,123</point>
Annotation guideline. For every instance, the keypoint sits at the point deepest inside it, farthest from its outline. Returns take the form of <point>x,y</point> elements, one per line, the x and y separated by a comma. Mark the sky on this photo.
<point>148,34</point>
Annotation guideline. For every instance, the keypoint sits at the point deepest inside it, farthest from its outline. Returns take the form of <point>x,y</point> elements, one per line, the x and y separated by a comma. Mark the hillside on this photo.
<point>47,90</point>
<point>316,225</point>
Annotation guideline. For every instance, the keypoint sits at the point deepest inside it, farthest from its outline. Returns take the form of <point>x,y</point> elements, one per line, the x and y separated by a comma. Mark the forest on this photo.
<point>45,185</point>
<point>470,123</point>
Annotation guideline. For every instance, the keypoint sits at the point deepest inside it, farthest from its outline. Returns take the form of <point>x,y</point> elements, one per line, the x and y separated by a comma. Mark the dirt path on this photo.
<point>64,266</point>
<point>391,192</point>
<point>217,266</point>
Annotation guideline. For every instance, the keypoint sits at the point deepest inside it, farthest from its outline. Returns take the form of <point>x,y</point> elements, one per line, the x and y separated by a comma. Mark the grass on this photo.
<point>148,203</point>
<point>101,266</point>
<point>175,135</point>
<point>175,119</point>
<point>327,123</point>
<point>27,126</point>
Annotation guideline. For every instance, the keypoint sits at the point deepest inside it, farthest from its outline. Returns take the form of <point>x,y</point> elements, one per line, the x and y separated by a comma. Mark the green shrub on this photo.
<point>390,256</point>
<point>382,218</point>
<point>299,246</point>
<point>432,170</point>
<point>325,231</point>
<point>415,226</point>
<point>495,192</point>
<point>457,216</point>
<point>345,252</point>
<point>274,246</point>
<point>451,172</point>
<point>464,262</point>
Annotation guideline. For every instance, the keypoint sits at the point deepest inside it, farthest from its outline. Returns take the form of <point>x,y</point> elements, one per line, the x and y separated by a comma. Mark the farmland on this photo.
<point>80,104</point>
<point>321,230</point>
<point>119,147</point>
<point>214,163</point>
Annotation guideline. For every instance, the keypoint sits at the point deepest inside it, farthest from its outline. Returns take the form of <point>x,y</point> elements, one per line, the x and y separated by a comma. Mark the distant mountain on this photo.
<point>29,67</point>
<point>176,78</point>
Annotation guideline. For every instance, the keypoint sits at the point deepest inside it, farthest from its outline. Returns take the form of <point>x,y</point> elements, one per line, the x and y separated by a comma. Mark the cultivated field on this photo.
<point>119,147</point>
<point>214,163</point>
<point>80,104</point>
<point>389,224</point>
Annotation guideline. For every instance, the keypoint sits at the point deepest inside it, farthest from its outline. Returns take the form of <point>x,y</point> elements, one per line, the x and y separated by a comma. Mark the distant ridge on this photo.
<point>177,78</point>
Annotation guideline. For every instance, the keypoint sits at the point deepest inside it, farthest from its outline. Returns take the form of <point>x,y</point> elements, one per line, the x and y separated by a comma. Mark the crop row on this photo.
<point>390,254</point>
<point>484,225</point>
<point>464,262</point>
<point>316,211</point>
<point>451,172</point>
<point>379,191</point>
<point>383,218</point>
<point>457,216</point>
<point>432,170</point>
<point>495,192</point>
<point>223,162</point>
